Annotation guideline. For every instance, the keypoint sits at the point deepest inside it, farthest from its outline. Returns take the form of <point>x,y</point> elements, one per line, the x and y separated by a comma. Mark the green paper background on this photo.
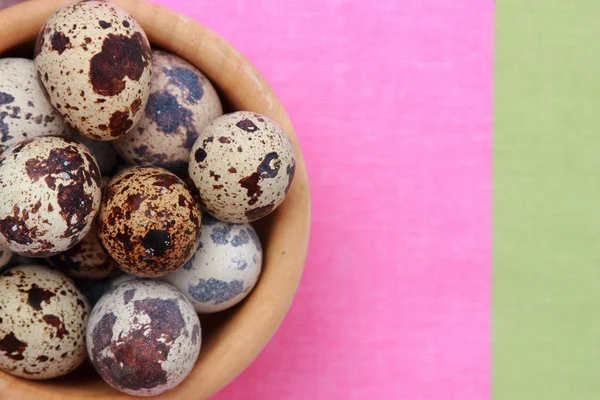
<point>546,287</point>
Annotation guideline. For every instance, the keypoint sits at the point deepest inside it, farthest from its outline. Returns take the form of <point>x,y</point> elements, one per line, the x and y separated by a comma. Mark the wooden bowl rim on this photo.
<point>237,342</point>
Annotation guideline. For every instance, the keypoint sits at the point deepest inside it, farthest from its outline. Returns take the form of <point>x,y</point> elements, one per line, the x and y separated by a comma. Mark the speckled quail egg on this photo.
<point>87,259</point>
<point>50,190</point>
<point>224,269</point>
<point>104,153</point>
<point>182,102</point>
<point>25,112</point>
<point>95,62</point>
<point>143,337</point>
<point>243,165</point>
<point>42,323</point>
<point>148,223</point>
<point>5,256</point>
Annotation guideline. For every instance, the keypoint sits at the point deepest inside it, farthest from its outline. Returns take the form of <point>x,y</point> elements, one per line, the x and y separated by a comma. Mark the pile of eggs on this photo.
<point>126,197</point>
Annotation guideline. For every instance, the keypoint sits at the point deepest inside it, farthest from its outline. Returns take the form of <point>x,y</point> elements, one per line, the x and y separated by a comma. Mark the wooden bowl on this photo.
<point>233,339</point>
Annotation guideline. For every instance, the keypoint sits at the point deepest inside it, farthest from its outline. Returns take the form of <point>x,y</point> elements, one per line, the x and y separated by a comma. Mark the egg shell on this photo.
<point>148,223</point>
<point>95,62</point>
<point>182,103</point>
<point>25,112</point>
<point>44,316</point>
<point>5,256</point>
<point>87,259</point>
<point>143,337</point>
<point>50,188</point>
<point>104,153</point>
<point>243,165</point>
<point>225,268</point>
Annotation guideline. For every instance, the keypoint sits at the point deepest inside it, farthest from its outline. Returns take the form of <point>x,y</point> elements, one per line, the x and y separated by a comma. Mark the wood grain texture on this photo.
<point>241,334</point>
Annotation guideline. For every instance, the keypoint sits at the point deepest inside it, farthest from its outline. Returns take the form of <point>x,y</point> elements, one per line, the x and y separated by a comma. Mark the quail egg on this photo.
<point>25,112</point>
<point>182,102</point>
<point>143,337</point>
<point>224,269</point>
<point>95,62</point>
<point>50,195</point>
<point>243,165</point>
<point>148,223</point>
<point>42,323</point>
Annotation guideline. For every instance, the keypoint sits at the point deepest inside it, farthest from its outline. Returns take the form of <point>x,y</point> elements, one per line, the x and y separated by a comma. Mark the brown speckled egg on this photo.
<point>86,259</point>
<point>95,62</point>
<point>182,102</point>
<point>143,337</point>
<point>5,256</point>
<point>243,165</point>
<point>148,222</point>
<point>25,112</point>
<point>43,318</point>
<point>50,188</point>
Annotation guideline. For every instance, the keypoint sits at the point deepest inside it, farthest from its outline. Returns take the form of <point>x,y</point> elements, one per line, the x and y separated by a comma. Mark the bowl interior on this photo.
<point>231,339</point>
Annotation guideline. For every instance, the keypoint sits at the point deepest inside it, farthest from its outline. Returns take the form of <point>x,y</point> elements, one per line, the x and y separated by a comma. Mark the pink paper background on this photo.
<point>392,103</point>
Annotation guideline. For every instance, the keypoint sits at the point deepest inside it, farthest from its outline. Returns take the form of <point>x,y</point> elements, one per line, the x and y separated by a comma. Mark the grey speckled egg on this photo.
<point>42,323</point>
<point>182,103</point>
<point>148,223</point>
<point>224,269</point>
<point>5,256</point>
<point>25,112</point>
<point>143,337</point>
<point>95,62</point>
<point>243,165</point>
<point>87,259</point>
<point>50,195</point>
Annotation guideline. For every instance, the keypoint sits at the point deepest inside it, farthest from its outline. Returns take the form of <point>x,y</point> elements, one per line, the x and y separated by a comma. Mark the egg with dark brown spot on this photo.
<point>148,222</point>
<point>25,111</point>
<point>43,318</point>
<point>243,166</point>
<point>50,195</point>
<point>95,62</point>
<point>182,103</point>
<point>143,337</point>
